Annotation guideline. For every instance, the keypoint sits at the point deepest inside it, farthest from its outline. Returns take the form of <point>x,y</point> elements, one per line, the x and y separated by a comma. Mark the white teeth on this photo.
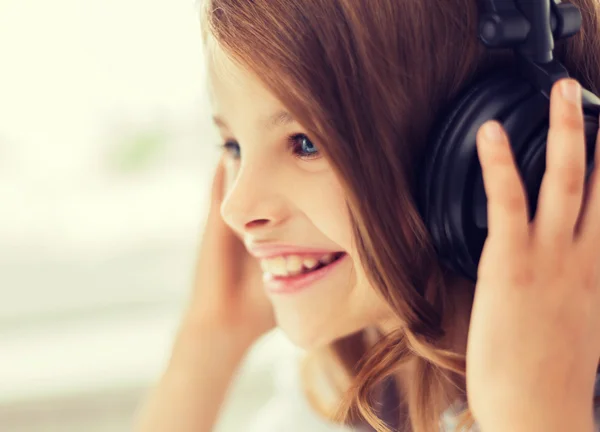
<point>267,276</point>
<point>327,259</point>
<point>264,265</point>
<point>277,266</point>
<point>310,263</point>
<point>294,264</point>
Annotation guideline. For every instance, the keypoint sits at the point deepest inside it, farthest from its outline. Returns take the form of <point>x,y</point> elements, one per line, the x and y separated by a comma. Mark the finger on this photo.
<point>584,201</point>
<point>217,238</point>
<point>218,185</point>
<point>506,199</point>
<point>589,226</point>
<point>561,192</point>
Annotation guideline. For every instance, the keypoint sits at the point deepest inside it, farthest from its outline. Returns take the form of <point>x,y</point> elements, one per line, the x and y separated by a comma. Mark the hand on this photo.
<point>228,291</point>
<point>534,344</point>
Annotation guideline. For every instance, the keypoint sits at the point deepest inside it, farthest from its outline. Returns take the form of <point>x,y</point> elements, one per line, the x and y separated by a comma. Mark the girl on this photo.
<point>324,108</point>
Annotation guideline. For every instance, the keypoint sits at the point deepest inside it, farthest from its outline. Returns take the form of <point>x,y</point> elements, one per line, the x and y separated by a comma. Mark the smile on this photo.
<point>291,273</point>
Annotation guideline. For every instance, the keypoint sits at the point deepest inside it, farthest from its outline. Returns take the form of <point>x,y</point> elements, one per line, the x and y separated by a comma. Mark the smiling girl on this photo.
<point>325,108</point>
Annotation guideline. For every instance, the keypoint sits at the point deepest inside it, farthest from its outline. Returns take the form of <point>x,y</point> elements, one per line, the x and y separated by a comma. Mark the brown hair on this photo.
<point>367,79</point>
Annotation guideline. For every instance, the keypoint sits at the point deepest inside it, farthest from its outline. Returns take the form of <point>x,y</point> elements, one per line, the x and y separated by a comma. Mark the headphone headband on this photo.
<point>452,199</point>
<point>529,26</point>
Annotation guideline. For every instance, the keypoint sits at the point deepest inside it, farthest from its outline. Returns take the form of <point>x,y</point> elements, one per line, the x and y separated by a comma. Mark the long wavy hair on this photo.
<point>366,78</point>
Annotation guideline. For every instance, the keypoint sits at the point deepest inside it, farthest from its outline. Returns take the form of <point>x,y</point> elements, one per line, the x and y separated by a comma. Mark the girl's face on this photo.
<point>284,201</point>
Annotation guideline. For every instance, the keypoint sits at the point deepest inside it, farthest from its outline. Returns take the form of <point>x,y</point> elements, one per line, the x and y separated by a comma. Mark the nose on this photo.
<point>253,199</point>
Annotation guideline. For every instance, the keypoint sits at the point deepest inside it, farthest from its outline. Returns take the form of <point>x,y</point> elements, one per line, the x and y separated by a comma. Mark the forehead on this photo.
<point>234,90</point>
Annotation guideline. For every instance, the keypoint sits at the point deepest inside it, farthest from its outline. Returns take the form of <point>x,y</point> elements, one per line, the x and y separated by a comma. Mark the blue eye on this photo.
<point>233,148</point>
<point>303,148</point>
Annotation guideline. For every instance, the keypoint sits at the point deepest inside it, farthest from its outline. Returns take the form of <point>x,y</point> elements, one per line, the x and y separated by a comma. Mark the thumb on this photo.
<point>218,186</point>
<point>220,245</point>
<point>215,232</point>
<point>215,242</point>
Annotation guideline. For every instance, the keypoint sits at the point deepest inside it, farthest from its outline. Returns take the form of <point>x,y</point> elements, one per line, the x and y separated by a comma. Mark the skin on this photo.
<point>263,204</point>
<point>532,350</point>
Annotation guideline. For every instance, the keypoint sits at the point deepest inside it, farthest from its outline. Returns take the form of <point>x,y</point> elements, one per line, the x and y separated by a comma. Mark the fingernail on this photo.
<point>571,91</point>
<point>493,131</point>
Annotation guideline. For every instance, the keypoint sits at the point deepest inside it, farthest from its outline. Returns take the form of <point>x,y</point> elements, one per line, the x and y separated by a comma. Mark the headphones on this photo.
<point>452,198</point>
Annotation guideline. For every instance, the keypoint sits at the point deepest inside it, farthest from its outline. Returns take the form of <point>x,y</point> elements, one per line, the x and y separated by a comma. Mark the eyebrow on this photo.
<point>279,118</point>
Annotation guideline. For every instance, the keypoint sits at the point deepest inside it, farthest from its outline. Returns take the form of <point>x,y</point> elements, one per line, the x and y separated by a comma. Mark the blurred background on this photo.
<point>106,156</point>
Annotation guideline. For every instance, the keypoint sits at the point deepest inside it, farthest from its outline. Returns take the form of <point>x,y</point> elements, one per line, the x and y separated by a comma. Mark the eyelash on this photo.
<point>232,146</point>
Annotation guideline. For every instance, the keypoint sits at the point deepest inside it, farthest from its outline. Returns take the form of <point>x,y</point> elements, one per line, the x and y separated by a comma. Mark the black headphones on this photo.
<point>452,197</point>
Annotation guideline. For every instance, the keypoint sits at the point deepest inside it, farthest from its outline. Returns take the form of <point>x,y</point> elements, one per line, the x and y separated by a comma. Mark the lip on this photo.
<point>273,250</point>
<point>291,285</point>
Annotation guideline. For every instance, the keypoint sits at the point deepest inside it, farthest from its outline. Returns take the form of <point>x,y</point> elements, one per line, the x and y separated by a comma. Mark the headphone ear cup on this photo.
<point>451,171</point>
<point>522,130</point>
<point>452,195</point>
<point>532,158</point>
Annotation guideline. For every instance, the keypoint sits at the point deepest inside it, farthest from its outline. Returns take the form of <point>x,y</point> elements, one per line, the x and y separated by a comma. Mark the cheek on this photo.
<point>329,214</point>
<point>327,210</point>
